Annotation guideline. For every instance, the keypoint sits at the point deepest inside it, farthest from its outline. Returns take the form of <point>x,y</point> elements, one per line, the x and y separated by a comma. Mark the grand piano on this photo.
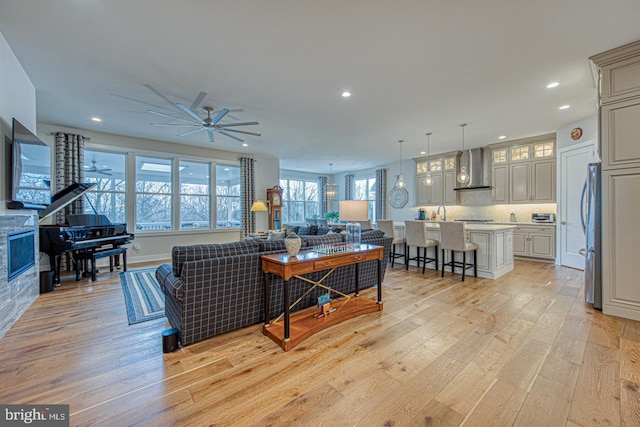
<point>85,236</point>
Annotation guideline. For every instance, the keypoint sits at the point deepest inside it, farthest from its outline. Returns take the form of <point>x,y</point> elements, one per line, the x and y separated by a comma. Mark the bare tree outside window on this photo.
<point>228,200</point>
<point>299,200</point>
<point>195,194</point>
<point>153,194</point>
<point>108,197</point>
<point>366,190</point>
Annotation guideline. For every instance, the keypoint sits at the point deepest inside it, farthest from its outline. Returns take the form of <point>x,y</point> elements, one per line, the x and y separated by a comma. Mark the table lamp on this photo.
<point>354,210</point>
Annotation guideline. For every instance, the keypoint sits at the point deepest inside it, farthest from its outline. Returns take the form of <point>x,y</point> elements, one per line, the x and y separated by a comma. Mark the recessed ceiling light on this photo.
<point>346,94</point>
<point>564,107</point>
<point>502,137</point>
<point>423,152</point>
<point>96,119</point>
<point>245,145</point>
<point>552,85</point>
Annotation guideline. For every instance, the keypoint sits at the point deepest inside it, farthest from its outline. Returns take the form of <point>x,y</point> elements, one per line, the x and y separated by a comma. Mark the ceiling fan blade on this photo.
<point>229,135</point>
<point>169,116</point>
<point>219,116</point>
<point>198,100</point>
<point>243,131</point>
<point>189,132</point>
<point>211,138</point>
<point>175,124</point>
<point>189,112</point>
<point>225,125</point>
<point>160,94</point>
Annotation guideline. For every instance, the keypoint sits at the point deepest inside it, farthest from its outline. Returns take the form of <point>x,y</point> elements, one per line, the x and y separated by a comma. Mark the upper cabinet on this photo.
<point>524,171</point>
<point>443,169</point>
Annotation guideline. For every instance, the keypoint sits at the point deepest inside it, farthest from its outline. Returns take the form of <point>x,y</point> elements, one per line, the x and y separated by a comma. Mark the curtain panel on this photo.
<point>69,150</point>
<point>381,194</point>
<point>247,195</point>
<point>349,186</point>
<point>322,196</point>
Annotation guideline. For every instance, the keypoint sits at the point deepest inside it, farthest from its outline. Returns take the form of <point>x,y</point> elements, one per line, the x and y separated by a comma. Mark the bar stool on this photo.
<point>416,235</point>
<point>386,226</point>
<point>453,237</point>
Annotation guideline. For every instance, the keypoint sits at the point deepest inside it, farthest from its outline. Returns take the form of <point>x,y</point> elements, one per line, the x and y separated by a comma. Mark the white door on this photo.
<point>573,171</point>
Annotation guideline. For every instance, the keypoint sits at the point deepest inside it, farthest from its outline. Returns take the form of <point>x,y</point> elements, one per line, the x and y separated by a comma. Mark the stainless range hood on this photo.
<point>473,159</point>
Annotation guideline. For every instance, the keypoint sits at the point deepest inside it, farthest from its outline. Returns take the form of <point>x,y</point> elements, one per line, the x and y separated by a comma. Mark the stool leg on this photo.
<point>475,263</point>
<point>442,272</point>
<point>436,256</point>
<point>453,262</point>
<point>424,259</point>
<point>464,263</point>
<point>406,256</point>
<point>124,261</point>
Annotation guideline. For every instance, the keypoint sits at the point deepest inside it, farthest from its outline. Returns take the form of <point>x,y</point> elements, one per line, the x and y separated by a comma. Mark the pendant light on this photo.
<point>399,178</point>
<point>330,188</point>
<point>427,179</point>
<point>463,176</point>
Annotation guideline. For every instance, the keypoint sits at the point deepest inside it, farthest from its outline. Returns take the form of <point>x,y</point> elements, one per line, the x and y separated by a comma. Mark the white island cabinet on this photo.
<point>495,247</point>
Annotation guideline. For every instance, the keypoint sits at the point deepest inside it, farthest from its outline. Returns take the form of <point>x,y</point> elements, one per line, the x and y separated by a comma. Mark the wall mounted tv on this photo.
<point>31,170</point>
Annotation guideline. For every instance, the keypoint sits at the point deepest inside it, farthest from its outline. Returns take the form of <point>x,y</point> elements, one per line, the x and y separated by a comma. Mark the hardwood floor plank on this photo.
<point>442,352</point>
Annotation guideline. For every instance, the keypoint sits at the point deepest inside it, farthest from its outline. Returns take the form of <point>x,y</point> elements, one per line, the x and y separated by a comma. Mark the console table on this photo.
<point>301,326</point>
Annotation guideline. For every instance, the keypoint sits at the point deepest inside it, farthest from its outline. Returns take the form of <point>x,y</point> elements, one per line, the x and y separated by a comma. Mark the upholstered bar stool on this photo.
<point>416,235</point>
<point>453,237</point>
<point>386,226</point>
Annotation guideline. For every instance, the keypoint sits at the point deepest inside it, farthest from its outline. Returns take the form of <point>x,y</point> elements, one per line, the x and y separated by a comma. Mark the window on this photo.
<point>195,194</point>
<point>299,200</point>
<point>154,198</point>
<point>228,206</point>
<point>108,197</point>
<point>366,190</point>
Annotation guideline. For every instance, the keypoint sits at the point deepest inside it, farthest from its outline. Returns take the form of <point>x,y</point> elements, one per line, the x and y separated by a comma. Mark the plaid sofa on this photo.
<point>216,288</point>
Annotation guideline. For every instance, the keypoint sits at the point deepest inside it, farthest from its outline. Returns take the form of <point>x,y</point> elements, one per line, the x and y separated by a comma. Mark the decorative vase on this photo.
<point>293,242</point>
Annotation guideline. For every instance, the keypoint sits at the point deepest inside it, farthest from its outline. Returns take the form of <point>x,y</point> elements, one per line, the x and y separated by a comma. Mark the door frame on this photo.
<point>591,143</point>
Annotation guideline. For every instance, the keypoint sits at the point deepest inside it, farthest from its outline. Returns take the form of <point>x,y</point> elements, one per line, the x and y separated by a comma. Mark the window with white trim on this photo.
<point>154,193</point>
<point>366,190</point>
<point>108,197</point>
<point>299,200</point>
<point>228,196</point>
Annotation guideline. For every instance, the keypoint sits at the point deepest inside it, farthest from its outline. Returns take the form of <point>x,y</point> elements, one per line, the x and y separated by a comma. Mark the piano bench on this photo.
<point>111,253</point>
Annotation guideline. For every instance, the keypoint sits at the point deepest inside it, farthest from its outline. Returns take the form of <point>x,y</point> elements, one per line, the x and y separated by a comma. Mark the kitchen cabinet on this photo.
<point>443,171</point>
<point>533,241</point>
<point>524,171</point>
<point>619,124</point>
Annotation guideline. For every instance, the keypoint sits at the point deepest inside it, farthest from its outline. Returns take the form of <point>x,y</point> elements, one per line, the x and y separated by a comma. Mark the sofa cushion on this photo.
<point>304,231</point>
<point>326,239</point>
<point>271,245</point>
<point>182,254</point>
<point>370,235</point>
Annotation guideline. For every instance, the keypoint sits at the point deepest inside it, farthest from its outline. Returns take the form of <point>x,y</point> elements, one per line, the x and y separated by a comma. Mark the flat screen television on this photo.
<point>31,170</point>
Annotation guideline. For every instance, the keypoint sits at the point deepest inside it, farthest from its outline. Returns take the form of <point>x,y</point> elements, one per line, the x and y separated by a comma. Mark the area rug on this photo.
<point>142,295</point>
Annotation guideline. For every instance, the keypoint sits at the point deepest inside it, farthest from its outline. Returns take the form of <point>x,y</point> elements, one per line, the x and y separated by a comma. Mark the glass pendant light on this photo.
<point>330,188</point>
<point>463,176</point>
<point>427,179</point>
<point>399,178</point>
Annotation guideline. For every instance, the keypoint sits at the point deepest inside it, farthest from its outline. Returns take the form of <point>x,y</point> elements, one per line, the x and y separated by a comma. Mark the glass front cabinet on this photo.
<point>436,179</point>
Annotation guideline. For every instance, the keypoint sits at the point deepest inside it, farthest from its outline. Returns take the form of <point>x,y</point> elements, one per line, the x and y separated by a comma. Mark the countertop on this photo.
<point>474,226</point>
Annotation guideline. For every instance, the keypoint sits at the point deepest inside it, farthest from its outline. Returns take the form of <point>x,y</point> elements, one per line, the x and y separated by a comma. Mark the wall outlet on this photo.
<point>136,246</point>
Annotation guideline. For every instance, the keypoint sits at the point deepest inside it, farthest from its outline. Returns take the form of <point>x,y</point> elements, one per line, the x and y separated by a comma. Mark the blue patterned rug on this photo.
<point>142,295</point>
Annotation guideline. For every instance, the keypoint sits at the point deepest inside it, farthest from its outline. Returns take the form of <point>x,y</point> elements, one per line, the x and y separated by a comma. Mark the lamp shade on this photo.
<point>258,206</point>
<point>354,210</point>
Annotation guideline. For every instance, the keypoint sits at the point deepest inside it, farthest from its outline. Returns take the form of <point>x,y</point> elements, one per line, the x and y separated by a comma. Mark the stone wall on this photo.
<point>16,296</point>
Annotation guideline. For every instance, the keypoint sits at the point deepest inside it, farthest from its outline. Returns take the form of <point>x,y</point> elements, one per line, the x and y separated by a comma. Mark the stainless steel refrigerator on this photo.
<point>591,208</point>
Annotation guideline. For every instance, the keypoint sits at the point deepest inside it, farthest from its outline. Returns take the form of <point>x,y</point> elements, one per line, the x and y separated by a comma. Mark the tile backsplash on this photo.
<point>498,213</point>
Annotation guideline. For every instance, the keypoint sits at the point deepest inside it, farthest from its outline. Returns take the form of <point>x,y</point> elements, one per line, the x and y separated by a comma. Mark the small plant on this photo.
<point>332,216</point>
<point>315,216</point>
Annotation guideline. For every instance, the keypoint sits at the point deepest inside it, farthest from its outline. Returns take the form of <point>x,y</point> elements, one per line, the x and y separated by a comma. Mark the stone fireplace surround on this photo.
<point>16,296</point>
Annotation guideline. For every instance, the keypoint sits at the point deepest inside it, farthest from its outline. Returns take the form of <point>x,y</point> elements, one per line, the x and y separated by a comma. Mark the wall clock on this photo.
<point>399,196</point>
<point>576,133</point>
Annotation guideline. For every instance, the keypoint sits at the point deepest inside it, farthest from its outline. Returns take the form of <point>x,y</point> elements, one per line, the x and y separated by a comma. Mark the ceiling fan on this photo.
<point>210,124</point>
<point>95,169</point>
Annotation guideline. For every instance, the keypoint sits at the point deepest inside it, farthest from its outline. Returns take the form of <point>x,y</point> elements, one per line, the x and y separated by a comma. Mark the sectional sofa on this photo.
<point>216,288</point>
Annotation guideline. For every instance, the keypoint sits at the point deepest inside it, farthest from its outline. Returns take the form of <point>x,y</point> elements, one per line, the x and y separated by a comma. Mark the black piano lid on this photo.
<point>62,198</point>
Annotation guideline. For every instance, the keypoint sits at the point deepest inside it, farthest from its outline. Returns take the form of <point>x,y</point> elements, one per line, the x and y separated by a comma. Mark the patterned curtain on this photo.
<point>69,169</point>
<point>349,186</point>
<point>247,195</point>
<point>381,194</point>
<point>322,196</point>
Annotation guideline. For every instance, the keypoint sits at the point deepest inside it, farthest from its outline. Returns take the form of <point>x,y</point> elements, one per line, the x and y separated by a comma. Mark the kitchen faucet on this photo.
<point>444,218</point>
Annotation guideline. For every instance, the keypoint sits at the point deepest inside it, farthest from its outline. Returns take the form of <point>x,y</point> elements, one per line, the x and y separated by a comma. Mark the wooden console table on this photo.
<point>301,326</point>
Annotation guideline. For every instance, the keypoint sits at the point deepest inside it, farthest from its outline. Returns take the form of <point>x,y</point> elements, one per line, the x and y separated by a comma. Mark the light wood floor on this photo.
<point>521,350</point>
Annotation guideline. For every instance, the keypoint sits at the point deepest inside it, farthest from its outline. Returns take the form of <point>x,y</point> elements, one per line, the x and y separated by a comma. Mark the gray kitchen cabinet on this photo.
<point>443,169</point>
<point>619,124</point>
<point>535,242</point>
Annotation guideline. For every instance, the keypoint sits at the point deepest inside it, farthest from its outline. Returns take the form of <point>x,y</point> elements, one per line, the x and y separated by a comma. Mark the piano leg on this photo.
<point>78,269</point>
<point>54,260</point>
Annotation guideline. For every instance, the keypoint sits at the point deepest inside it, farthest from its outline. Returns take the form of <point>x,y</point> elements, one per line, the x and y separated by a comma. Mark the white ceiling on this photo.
<point>413,67</point>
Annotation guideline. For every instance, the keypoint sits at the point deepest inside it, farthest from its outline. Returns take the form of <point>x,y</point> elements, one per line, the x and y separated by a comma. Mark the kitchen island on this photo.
<point>495,247</point>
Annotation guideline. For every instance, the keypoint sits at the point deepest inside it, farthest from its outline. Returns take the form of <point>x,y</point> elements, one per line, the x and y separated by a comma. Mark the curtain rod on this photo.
<point>86,138</point>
